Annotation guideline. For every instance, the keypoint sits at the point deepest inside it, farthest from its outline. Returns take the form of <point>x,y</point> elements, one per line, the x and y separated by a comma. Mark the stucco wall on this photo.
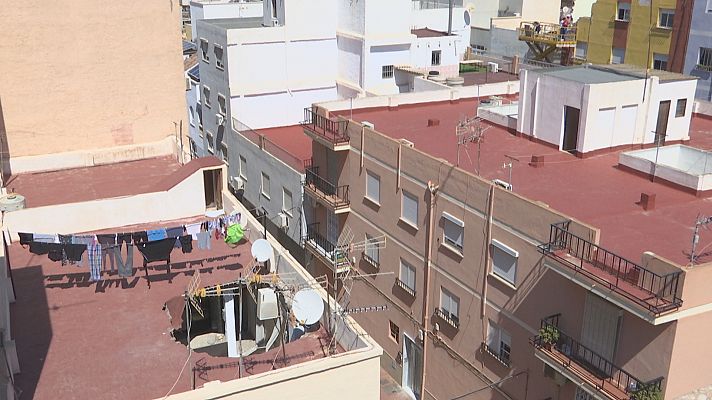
<point>700,34</point>
<point>89,74</point>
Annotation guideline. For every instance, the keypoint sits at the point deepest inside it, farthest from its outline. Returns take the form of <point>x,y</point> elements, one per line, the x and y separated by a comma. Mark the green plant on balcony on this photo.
<point>549,335</point>
<point>647,392</point>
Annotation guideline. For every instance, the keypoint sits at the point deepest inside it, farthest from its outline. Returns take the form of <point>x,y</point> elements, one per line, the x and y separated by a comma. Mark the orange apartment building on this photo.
<point>475,275</point>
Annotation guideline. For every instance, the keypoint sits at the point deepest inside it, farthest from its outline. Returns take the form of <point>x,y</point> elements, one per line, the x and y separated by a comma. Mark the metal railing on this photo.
<point>338,196</point>
<point>433,4</point>
<point>547,32</point>
<point>405,287</point>
<point>447,317</point>
<point>323,246</point>
<point>504,360</point>
<point>332,130</point>
<point>657,293</point>
<point>598,366</point>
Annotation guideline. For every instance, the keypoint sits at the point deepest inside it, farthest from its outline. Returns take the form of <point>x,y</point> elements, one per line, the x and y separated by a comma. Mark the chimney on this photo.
<point>647,201</point>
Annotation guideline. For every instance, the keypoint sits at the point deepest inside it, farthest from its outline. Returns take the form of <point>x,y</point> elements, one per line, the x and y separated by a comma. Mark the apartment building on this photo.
<point>220,9</point>
<point>643,34</point>
<point>83,97</point>
<point>477,276</point>
<point>698,59</point>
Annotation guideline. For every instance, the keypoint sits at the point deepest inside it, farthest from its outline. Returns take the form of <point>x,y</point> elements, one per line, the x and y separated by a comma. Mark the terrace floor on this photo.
<point>110,340</point>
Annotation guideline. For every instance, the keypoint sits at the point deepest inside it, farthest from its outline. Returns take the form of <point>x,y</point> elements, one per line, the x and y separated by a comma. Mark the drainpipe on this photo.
<point>426,280</point>
<point>451,5</point>
<point>488,256</point>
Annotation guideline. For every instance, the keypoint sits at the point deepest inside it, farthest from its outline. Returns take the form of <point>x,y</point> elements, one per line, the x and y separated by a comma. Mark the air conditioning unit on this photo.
<point>283,220</point>
<point>267,304</point>
<point>502,184</point>
<point>219,119</point>
<point>493,67</point>
<point>236,183</point>
<point>275,22</point>
<point>367,124</point>
<point>406,142</point>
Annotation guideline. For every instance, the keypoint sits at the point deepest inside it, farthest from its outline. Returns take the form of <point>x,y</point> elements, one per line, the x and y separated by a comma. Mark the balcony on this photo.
<point>326,251</point>
<point>655,293</point>
<point>404,286</point>
<point>329,132</point>
<point>585,367</point>
<point>450,319</point>
<point>334,197</point>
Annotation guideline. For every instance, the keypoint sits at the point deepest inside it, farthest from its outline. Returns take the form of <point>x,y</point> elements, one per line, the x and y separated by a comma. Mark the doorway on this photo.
<point>412,367</point>
<point>212,180</point>
<point>661,126</point>
<point>571,129</point>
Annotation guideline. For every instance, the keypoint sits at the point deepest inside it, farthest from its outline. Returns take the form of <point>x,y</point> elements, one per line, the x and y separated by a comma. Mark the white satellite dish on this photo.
<point>307,306</point>
<point>261,250</point>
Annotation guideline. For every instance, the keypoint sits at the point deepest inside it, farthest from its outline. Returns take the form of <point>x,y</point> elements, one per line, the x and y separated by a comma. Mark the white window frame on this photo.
<point>371,251</point>
<point>625,7</point>
<point>191,116</point>
<point>242,168</point>
<point>405,195</point>
<point>499,342</point>
<point>264,192</point>
<point>409,270</point>
<point>219,64</point>
<point>503,275</point>
<point>373,179</point>
<point>287,208</point>
<point>222,106</point>
<point>678,112</point>
<point>209,137</point>
<point>704,58</point>
<point>447,300</point>
<point>660,61</point>
<point>387,71</point>
<point>206,96</point>
<point>668,14</point>
<point>204,49</point>
<point>436,57</point>
<point>454,223</point>
<point>395,338</point>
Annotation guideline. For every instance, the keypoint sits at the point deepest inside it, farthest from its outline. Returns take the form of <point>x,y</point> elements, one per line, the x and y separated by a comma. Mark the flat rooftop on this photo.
<point>593,74</point>
<point>294,146</point>
<point>592,190</point>
<point>236,23</point>
<point>115,335</point>
<point>428,33</point>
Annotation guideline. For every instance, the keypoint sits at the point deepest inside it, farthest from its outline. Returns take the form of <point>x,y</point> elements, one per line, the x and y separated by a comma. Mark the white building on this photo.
<point>217,9</point>
<point>588,108</point>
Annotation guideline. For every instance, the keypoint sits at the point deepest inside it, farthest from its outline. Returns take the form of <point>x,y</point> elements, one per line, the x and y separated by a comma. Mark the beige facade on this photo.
<point>89,75</point>
<point>488,348</point>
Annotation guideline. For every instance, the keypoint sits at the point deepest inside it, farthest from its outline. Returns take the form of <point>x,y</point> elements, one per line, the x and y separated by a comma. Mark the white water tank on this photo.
<point>12,202</point>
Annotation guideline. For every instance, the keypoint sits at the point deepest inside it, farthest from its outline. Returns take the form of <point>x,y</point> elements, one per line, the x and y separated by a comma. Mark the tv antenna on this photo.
<point>510,165</point>
<point>701,221</point>
<point>470,130</point>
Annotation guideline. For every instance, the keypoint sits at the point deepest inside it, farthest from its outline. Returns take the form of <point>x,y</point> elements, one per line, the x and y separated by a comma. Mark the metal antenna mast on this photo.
<point>510,165</point>
<point>470,130</point>
<point>701,221</point>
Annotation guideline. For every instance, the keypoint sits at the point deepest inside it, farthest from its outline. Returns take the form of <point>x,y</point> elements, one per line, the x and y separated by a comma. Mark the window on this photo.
<point>264,185</point>
<point>581,49</point>
<point>387,71</point>
<point>218,50</point>
<point>704,59</point>
<point>623,12</point>
<point>372,253</point>
<point>204,50</point>
<point>666,17</point>
<point>499,343</point>
<point>504,261</point>
<point>617,56</point>
<point>373,187</point>
<point>222,107</point>
<point>211,145</point>
<point>660,61</point>
<point>191,117</point>
<point>223,153</point>
<point>680,108</point>
<point>409,209</point>
<point>453,230</point>
<point>287,203</point>
<point>206,96</point>
<point>449,305</point>
<point>435,57</point>
<point>393,331</point>
<point>407,275</point>
<point>193,148</point>
<point>243,168</point>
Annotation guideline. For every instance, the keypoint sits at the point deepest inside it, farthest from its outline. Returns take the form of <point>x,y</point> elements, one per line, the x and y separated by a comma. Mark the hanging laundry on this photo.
<point>186,243</point>
<point>193,230</point>
<point>156,234</point>
<point>40,248</point>
<point>234,234</point>
<point>175,233</point>
<point>25,238</point>
<point>108,243</point>
<point>45,238</point>
<point>94,256</point>
<point>140,237</point>
<point>125,268</point>
<point>66,239</point>
<point>85,240</point>
<point>157,250</point>
<point>122,238</point>
<point>204,240</point>
<point>74,252</point>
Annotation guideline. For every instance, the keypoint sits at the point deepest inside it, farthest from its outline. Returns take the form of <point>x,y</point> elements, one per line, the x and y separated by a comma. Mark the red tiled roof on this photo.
<point>290,138</point>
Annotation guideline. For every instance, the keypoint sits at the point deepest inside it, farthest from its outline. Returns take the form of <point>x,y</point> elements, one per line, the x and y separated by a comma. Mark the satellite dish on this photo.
<point>467,18</point>
<point>261,250</point>
<point>307,306</point>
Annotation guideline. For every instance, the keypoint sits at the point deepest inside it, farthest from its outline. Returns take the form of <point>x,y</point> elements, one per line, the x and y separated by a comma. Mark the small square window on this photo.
<point>409,208</point>
<point>680,108</point>
<point>665,18</point>
<point>394,331</point>
<point>243,168</point>
<point>222,107</point>
<point>387,71</point>
<point>373,187</point>
<point>617,55</point>
<point>660,61</point>
<point>287,204</point>
<point>218,50</point>
<point>407,275</point>
<point>204,50</point>
<point>206,96</point>
<point>264,185</point>
<point>623,12</point>
<point>504,261</point>
<point>371,252</point>
<point>211,143</point>
<point>435,57</point>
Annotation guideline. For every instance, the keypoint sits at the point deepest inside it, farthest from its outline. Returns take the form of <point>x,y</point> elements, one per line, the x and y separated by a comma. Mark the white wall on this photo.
<point>421,54</point>
<point>351,16</point>
<point>386,19</point>
<point>483,11</point>
<point>278,109</point>
<point>678,127</point>
<point>376,58</point>
<point>223,9</point>
<point>437,19</point>
<point>350,57</point>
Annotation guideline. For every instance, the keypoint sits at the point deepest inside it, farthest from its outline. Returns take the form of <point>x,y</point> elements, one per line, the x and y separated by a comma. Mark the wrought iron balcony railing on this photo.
<point>333,131</point>
<point>336,196</point>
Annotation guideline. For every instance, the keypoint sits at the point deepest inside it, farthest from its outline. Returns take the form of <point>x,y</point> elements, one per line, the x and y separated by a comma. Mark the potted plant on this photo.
<point>549,335</point>
<point>647,392</point>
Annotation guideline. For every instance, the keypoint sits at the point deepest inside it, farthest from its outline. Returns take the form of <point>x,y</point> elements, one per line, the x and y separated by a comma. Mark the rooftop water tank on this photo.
<point>12,202</point>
